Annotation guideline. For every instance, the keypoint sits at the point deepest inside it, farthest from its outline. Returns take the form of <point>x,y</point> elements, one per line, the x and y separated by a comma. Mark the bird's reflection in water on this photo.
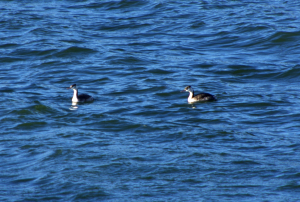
<point>193,105</point>
<point>74,106</point>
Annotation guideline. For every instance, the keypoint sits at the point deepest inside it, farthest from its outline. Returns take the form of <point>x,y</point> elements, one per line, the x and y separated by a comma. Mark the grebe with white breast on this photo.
<point>81,97</point>
<point>200,97</point>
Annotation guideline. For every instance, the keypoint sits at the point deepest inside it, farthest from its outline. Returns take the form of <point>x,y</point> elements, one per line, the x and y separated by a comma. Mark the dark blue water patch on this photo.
<point>90,5</point>
<point>11,59</point>
<point>246,28</point>
<point>260,42</point>
<point>241,69</point>
<point>45,30</point>
<point>92,193</point>
<point>25,52</point>
<point>127,60</point>
<point>72,41</point>
<point>31,125</point>
<point>197,24</point>
<point>290,74</point>
<point>203,65</point>
<point>115,27</point>
<point>100,81</point>
<point>43,109</point>
<point>245,162</point>
<point>245,73</point>
<point>9,46</point>
<point>74,51</point>
<point>224,40</point>
<point>292,186</point>
<point>24,180</point>
<point>221,5</point>
<point>22,112</point>
<point>7,89</point>
<point>124,5</point>
<point>113,125</point>
<point>124,26</point>
<point>160,71</point>
<point>284,37</point>
<point>110,5</point>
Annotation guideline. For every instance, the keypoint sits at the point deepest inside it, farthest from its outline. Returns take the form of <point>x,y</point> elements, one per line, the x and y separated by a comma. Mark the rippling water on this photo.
<point>140,140</point>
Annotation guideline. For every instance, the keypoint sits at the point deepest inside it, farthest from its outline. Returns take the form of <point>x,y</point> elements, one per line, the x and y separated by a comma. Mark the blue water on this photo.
<point>140,140</point>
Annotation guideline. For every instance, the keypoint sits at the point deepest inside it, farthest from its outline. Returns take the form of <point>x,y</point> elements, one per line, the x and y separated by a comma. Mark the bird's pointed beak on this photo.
<point>182,91</point>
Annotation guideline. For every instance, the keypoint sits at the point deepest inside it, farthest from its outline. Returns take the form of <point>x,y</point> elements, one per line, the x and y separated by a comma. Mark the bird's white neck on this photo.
<point>75,95</point>
<point>191,95</point>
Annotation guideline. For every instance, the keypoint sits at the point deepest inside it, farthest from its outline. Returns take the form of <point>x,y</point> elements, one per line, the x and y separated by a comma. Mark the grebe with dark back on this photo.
<point>199,97</point>
<point>81,97</point>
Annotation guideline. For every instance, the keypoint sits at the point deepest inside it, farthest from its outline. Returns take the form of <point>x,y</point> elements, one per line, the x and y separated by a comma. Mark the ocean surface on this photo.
<point>140,140</point>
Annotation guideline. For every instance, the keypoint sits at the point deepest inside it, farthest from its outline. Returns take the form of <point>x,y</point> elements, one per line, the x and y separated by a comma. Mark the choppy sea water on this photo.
<point>140,140</point>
